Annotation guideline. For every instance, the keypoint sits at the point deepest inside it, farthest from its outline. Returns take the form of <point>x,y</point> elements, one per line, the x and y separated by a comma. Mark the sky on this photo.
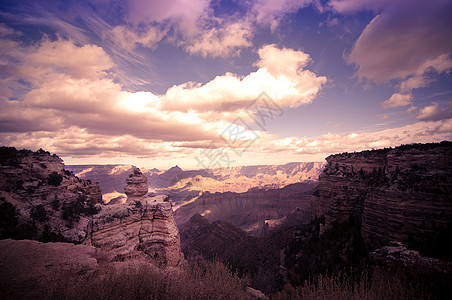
<point>205,84</point>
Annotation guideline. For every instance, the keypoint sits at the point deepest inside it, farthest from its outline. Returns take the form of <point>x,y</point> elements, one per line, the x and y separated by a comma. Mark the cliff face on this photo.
<point>401,194</point>
<point>40,200</point>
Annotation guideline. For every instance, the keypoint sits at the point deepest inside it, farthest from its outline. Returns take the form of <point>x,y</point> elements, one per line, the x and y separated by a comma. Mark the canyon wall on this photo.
<point>252,211</point>
<point>401,194</point>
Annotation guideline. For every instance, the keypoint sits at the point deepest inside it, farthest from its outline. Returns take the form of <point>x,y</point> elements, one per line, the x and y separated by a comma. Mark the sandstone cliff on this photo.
<point>401,194</point>
<point>40,200</point>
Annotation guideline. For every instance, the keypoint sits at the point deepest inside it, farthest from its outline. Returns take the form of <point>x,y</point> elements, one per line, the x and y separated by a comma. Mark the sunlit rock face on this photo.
<point>142,227</point>
<point>136,185</point>
<point>401,194</point>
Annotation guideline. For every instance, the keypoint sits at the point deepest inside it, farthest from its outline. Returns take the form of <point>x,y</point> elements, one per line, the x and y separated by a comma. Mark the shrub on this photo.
<point>71,211</point>
<point>38,213</point>
<point>8,220</point>
<point>54,179</point>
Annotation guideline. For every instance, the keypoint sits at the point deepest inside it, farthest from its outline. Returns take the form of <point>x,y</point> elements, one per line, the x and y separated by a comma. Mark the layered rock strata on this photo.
<point>401,194</point>
<point>136,185</point>
<point>142,227</point>
<point>145,228</point>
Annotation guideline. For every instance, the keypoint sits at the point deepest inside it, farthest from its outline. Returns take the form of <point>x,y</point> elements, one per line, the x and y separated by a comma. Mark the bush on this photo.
<point>71,211</point>
<point>38,213</point>
<point>8,220</point>
<point>54,179</point>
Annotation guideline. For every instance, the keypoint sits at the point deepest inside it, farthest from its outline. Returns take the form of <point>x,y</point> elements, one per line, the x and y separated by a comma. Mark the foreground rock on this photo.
<point>143,227</point>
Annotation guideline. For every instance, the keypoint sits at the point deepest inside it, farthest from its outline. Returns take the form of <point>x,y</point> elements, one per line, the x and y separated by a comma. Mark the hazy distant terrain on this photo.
<point>250,197</point>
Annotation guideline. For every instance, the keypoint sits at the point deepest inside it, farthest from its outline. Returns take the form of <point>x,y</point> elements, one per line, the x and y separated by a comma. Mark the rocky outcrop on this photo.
<point>136,185</point>
<point>142,227</point>
<point>145,228</point>
<point>401,194</point>
<point>397,254</point>
<point>41,200</point>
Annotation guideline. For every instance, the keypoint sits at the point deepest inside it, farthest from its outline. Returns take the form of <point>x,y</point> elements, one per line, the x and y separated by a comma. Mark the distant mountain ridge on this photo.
<point>111,178</point>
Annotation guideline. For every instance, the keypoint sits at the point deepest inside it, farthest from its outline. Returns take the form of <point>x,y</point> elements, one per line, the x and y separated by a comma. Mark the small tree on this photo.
<point>54,179</point>
<point>38,213</point>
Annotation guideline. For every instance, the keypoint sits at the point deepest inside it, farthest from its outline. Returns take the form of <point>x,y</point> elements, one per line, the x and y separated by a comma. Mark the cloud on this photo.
<point>397,100</point>
<point>331,143</point>
<point>127,38</point>
<point>281,74</point>
<point>62,56</point>
<point>222,41</point>
<point>426,74</point>
<point>184,14</point>
<point>194,25</point>
<point>271,12</point>
<point>435,113</point>
<point>401,39</point>
<point>75,107</point>
<point>407,41</point>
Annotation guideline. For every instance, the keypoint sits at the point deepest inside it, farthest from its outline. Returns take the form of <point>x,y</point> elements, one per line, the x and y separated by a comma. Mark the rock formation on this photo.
<point>142,227</point>
<point>145,228</point>
<point>40,200</point>
<point>137,185</point>
<point>401,194</point>
<point>396,253</point>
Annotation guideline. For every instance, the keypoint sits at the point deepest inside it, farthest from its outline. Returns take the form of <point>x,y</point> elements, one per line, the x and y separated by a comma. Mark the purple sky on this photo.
<point>219,83</point>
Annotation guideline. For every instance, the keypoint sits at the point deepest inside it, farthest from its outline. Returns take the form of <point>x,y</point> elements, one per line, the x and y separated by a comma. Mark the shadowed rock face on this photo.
<point>136,185</point>
<point>401,194</point>
<point>40,200</point>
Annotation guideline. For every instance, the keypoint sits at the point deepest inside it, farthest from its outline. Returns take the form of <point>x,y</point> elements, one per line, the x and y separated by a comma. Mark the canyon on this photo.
<point>280,225</point>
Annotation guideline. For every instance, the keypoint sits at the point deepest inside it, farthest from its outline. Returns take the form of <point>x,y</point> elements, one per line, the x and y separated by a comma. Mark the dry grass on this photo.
<point>208,280</point>
<point>383,285</point>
